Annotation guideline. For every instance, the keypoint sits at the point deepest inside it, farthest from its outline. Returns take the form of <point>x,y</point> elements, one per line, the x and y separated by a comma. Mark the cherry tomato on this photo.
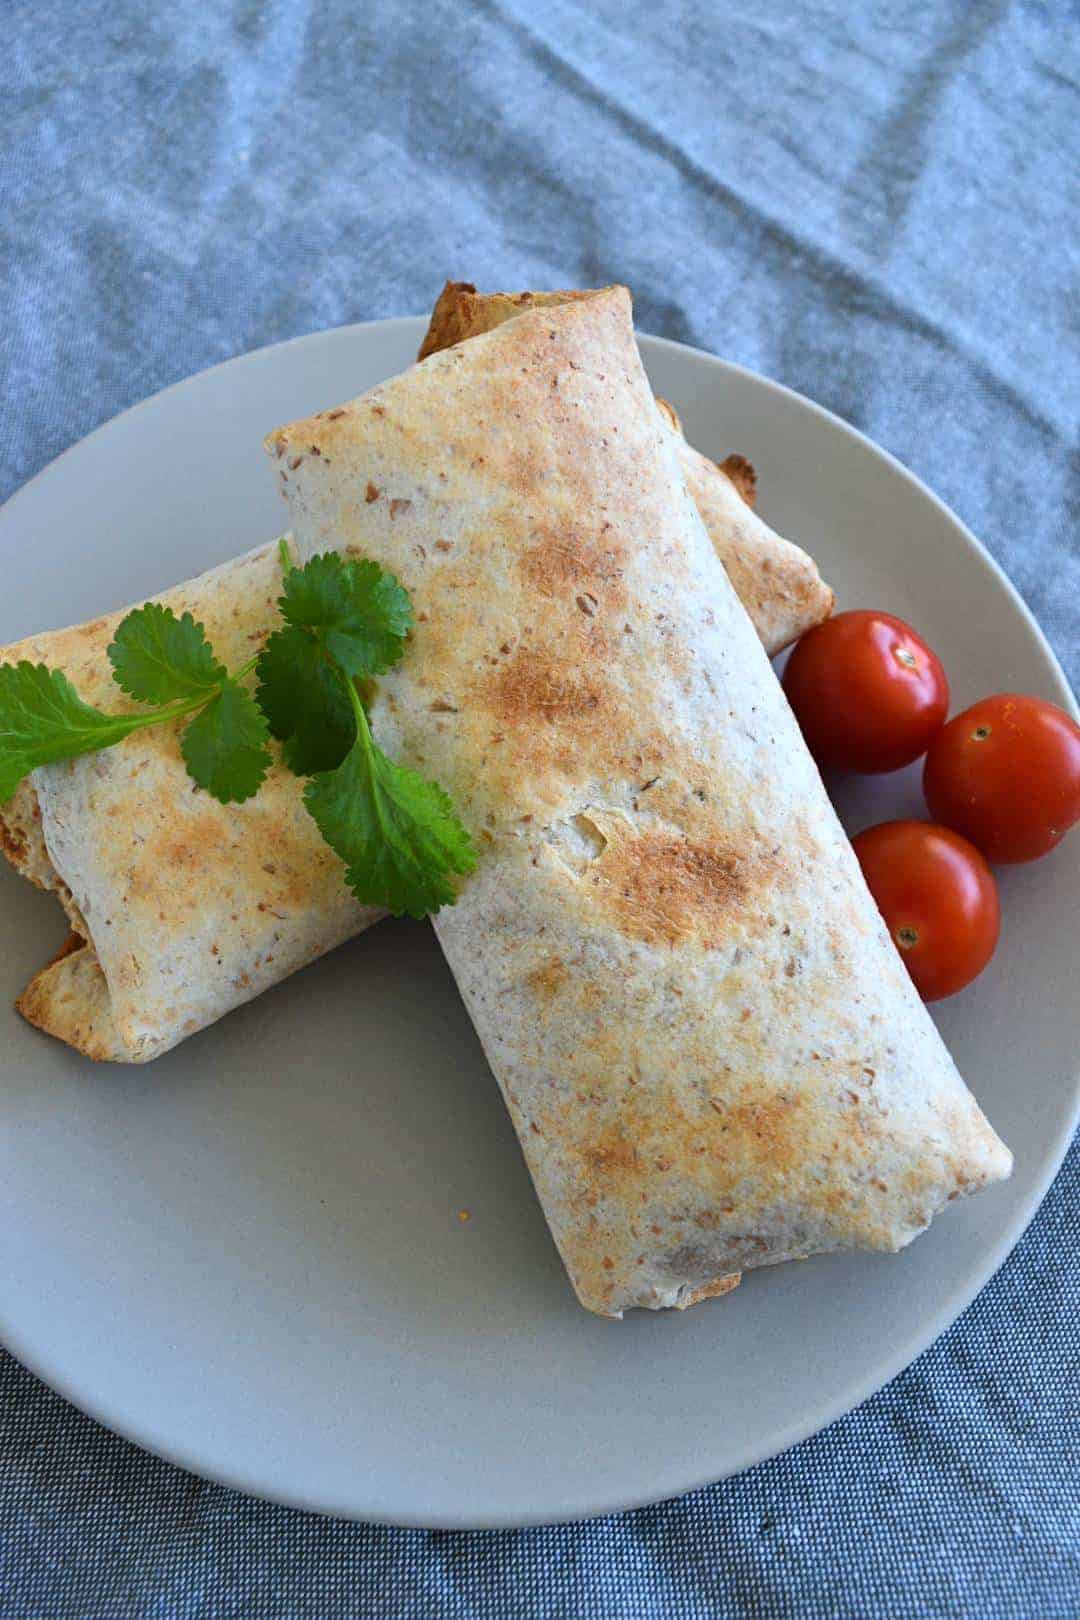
<point>867,691</point>
<point>1006,773</point>
<point>938,898</point>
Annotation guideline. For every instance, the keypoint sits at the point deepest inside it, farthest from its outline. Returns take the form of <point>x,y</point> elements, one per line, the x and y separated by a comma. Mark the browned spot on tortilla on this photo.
<point>371,494</point>
<point>549,977</point>
<point>611,1155</point>
<point>12,842</point>
<point>664,889</point>
<point>202,837</point>
<point>656,1145</point>
<point>775,1130</point>
<point>399,506</point>
<point>93,628</point>
<point>742,474</point>
<point>533,688</point>
<point>564,561</point>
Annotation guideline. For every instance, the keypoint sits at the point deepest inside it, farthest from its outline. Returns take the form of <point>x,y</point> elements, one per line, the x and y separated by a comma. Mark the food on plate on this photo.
<point>84,996</point>
<point>868,693</point>
<point>778,584</point>
<point>181,907</point>
<point>1006,774</point>
<point>343,622</point>
<point>938,898</point>
<point>712,1053</point>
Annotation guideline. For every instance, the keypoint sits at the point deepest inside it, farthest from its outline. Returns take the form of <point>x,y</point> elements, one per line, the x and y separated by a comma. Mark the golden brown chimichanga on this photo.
<point>711,1051</point>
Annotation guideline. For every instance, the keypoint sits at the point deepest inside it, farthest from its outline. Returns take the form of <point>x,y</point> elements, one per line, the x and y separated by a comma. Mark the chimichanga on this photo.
<point>182,908</point>
<point>777,583</point>
<point>711,1051</point>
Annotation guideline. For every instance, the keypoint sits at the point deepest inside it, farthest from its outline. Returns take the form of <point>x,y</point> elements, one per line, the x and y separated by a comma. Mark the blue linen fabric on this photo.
<point>876,205</point>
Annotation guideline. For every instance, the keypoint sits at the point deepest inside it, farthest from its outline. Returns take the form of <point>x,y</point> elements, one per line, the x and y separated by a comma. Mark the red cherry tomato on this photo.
<point>938,898</point>
<point>1006,773</point>
<point>867,691</point>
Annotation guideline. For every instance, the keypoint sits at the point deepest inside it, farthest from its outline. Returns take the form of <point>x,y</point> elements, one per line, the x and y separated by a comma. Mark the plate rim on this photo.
<point>931,1326</point>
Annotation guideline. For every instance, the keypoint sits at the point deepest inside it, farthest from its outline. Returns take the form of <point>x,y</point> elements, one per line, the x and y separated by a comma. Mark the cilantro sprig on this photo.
<point>345,622</point>
<point>395,831</point>
<point>156,658</point>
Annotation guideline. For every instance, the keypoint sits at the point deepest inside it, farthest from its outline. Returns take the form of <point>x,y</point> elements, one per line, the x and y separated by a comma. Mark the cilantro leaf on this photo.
<point>225,746</point>
<point>305,701</point>
<point>159,658</point>
<point>395,831</point>
<point>357,611</point>
<point>343,619</point>
<point>43,719</point>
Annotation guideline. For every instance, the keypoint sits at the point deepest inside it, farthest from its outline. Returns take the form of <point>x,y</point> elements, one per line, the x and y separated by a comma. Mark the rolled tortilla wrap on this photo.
<point>184,908</point>
<point>79,996</point>
<point>711,1051</point>
<point>777,582</point>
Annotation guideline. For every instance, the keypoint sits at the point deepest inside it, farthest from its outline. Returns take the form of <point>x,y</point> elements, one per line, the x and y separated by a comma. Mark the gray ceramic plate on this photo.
<point>249,1257</point>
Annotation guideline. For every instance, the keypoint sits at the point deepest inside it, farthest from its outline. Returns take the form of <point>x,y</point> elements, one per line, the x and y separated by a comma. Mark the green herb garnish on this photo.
<point>345,621</point>
<point>396,832</point>
<point>156,658</point>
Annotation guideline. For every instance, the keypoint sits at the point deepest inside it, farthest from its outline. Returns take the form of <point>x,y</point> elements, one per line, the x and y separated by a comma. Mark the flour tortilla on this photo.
<point>181,908</point>
<point>777,582</point>
<point>73,997</point>
<point>711,1051</point>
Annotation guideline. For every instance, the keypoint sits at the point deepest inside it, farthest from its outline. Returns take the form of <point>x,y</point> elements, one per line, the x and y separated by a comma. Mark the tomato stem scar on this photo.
<point>906,937</point>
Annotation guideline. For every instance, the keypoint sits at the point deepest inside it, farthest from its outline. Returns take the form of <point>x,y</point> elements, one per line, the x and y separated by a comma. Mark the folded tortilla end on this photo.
<point>69,998</point>
<point>461,312</point>
<point>442,329</point>
<point>777,581</point>
<point>610,1298</point>
<point>710,1290</point>
<point>74,942</point>
<point>181,911</point>
<point>670,414</point>
<point>742,474</point>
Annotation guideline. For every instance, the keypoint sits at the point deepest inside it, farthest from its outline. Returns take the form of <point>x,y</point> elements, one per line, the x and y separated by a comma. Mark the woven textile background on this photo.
<point>876,204</point>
